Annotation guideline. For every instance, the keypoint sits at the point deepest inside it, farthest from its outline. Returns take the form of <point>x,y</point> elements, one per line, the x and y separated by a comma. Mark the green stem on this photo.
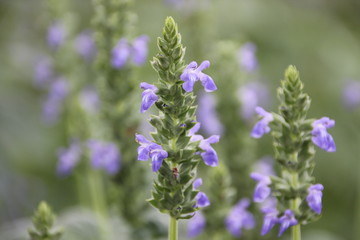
<point>295,203</point>
<point>296,232</point>
<point>173,231</point>
<point>98,201</point>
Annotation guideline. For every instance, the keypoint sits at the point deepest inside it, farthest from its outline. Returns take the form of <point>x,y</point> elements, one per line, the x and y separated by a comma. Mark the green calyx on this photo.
<point>43,221</point>
<point>173,191</point>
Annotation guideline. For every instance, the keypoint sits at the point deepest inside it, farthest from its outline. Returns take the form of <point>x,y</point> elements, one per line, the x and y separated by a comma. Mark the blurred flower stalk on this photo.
<point>293,198</point>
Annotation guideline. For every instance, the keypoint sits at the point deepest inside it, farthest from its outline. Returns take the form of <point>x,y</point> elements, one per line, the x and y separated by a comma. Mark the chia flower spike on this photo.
<point>120,53</point>
<point>68,158</point>
<point>294,138</point>
<point>175,149</point>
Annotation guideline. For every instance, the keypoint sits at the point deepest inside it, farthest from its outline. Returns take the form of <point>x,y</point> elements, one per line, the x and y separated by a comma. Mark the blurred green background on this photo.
<point>321,38</point>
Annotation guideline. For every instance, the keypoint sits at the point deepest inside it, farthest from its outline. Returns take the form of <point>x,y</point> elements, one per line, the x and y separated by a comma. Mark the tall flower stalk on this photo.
<point>295,197</point>
<point>176,149</point>
<point>119,52</point>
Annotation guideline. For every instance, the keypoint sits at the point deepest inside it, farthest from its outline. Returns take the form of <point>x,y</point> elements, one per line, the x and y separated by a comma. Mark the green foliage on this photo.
<point>43,221</point>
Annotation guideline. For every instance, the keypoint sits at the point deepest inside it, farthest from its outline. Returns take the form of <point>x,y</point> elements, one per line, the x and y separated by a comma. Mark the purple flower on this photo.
<point>209,156</point>
<point>89,99</point>
<point>196,225</point>
<point>68,158</point>
<point>104,155</point>
<point>314,197</point>
<point>286,221</point>
<point>197,183</point>
<point>151,150</point>
<point>262,189</point>
<point>85,45</point>
<point>56,35</point>
<point>270,219</point>
<point>52,106</point>
<point>351,94</point>
<point>264,166</point>
<point>251,95</point>
<point>149,96</point>
<point>321,137</point>
<point>193,73</point>
<point>247,57</point>
<point>239,218</point>
<point>202,200</point>
<point>120,54</point>
<point>140,50</point>
<point>261,127</point>
<point>44,73</point>
<point>208,116</point>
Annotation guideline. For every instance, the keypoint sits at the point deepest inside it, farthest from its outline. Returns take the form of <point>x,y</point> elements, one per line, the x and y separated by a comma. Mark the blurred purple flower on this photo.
<point>321,137</point>
<point>351,94</point>
<point>314,197</point>
<point>197,183</point>
<point>262,126</point>
<point>270,219</point>
<point>140,50</point>
<point>202,200</point>
<point>264,166</point>
<point>239,218</point>
<point>251,95</point>
<point>196,225</point>
<point>149,96</point>
<point>209,156</point>
<point>85,45</point>
<point>44,73</point>
<point>104,155</point>
<point>56,35</point>
<point>151,150</point>
<point>120,53</point>
<point>59,89</point>
<point>262,189</point>
<point>89,99</point>
<point>68,158</point>
<point>247,57</point>
<point>286,221</point>
<point>193,73</point>
<point>208,116</point>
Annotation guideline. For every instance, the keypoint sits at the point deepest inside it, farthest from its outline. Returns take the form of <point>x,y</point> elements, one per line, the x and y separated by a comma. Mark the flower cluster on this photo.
<point>123,51</point>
